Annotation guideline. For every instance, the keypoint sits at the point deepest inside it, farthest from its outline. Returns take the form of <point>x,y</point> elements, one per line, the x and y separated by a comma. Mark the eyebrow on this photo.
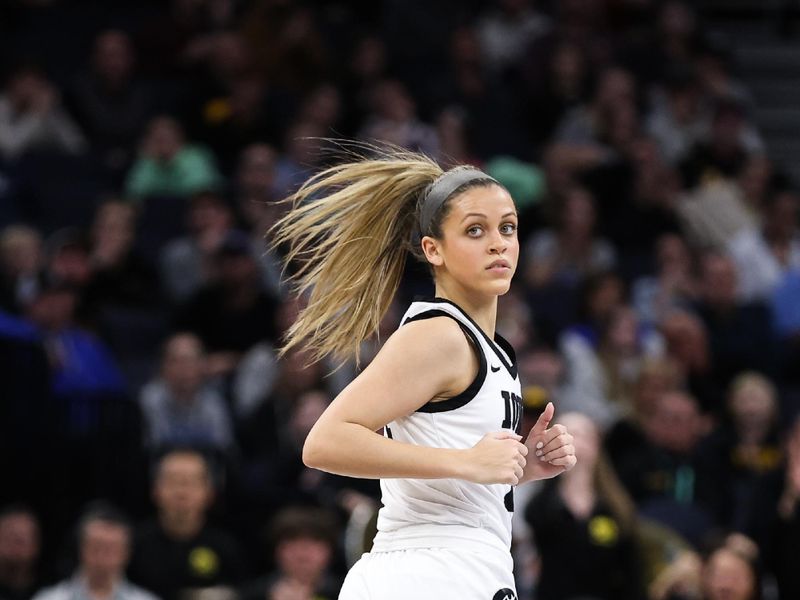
<point>483,216</point>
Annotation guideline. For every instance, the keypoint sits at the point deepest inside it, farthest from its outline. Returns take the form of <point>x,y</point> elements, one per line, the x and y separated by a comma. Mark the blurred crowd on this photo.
<point>150,438</point>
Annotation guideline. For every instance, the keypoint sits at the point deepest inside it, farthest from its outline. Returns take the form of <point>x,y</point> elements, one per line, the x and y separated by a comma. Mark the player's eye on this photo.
<point>508,228</point>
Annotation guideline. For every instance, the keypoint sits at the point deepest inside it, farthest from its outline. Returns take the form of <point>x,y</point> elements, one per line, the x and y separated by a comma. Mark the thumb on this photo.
<point>504,434</point>
<point>544,419</point>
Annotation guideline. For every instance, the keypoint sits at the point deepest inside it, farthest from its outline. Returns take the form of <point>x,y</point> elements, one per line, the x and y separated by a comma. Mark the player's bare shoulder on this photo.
<point>436,346</point>
<point>436,337</point>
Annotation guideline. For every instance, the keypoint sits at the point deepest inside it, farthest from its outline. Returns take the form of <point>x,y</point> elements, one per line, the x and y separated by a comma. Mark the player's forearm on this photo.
<point>353,450</point>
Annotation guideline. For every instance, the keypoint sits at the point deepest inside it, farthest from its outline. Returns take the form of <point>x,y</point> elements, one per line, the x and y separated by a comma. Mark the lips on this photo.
<point>499,264</point>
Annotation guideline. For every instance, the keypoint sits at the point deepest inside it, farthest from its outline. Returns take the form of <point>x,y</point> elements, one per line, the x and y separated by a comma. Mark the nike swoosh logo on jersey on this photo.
<point>494,369</point>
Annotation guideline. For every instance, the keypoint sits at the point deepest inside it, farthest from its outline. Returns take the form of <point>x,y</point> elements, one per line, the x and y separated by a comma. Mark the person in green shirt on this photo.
<point>170,166</point>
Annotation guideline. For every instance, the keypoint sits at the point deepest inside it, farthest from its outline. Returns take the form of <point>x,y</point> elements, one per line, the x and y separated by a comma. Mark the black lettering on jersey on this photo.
<point>505,594</point>
<point>388,432</point>
<point>508,500</point>
<point>513,411</point>
<point>513,421</point>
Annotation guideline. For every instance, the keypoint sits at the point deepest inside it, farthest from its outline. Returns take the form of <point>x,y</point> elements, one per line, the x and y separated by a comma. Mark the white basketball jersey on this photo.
<point>452,512</point>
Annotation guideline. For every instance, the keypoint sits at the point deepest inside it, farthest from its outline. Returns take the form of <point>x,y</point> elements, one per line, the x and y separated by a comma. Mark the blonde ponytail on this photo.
<point>348,234</point>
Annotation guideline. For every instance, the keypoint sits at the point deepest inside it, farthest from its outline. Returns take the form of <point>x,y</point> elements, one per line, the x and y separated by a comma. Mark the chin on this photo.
<point>500,289</point>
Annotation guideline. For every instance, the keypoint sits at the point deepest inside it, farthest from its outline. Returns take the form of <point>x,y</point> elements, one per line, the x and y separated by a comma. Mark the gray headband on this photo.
<point>442,189</point>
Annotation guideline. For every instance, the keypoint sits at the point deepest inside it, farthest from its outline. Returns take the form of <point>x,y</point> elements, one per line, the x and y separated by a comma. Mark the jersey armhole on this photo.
<point>471,391</point>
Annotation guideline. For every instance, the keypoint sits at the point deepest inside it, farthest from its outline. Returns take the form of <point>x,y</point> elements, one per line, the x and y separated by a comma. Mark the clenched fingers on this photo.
<point>560,456</point>
<point>555,437</point>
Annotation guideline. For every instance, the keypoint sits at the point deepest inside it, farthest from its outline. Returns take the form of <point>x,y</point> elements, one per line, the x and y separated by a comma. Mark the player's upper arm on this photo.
<point>420,361</point>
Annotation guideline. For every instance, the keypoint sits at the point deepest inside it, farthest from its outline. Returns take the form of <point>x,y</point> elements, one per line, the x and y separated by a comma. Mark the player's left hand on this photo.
<point>550,449</point>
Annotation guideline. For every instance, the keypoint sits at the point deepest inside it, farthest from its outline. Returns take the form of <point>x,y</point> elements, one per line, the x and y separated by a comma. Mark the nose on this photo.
<point>497,243</point>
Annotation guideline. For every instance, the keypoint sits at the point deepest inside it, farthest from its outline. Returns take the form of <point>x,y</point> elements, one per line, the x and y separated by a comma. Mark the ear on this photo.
<point>431,247</point>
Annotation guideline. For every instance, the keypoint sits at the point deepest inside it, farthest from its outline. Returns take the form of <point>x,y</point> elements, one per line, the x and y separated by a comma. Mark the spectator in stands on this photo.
<point>20,545</point>
<point>569,252</point>
<point>238,119</point>
<point>120,278</point>
<point>677,120</point>
<point>301,157</point>
<point>603,366</point>
<point>394,119</point>
<point>179,407</point>
<point>31,116</point>
<point>739,333</point>
<point>730,572</point>
<point>454,145</point>
<point>757,181</point>
<point>686,339</point>
<point>765,255</point>
<point>233,103</point>
<point>366,65</point>
<point>180,550</point>
<point>186,262</point>
<point>584,525</point>
<point>83,368</point>
<point>254,183</point>
<point>104,539</point>
<point>674,284</point>
<point>233,312</point>
<point>749,455</point>
<point>669,478</point>
<point>304,544</point>
<point>276,475</point>
<point>110,103</point>
<point>627,437</point>
<point>168,165</point>
<point>173,39</point>
<point>90,421</point>
<point>722,153</point>
<point>256,202</point>
<point>785,533</point>
<point>591,307</point>
<point>21,257</point>
<point>623,348</point>
<point>715,75</point>
<point>674,38</point>
<point>295,377</point>
<point>557,87</point>
<point>586,125</point>
<point>69,264</point>
<point>507,29</point>
<point>69,258</point>
<point>323,107</point>
<point>287,42</point>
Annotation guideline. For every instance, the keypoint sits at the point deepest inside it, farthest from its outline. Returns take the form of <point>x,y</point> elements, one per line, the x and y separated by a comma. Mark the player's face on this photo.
<point>479,248</point>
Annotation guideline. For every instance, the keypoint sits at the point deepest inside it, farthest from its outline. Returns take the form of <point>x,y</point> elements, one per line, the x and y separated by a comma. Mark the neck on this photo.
<point>181,527</point>
<point>578,493</point>
<point>308,579</point>
<point>482,310</point>
<point>100,585</point>
<point>577,478</point>
<point>16,575</point>
<point>182,396</point>
<point>775,235</point>
<point>242,296</point>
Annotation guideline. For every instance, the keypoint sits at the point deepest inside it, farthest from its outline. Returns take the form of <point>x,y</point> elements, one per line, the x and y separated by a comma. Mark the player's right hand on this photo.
<point>499,457</point>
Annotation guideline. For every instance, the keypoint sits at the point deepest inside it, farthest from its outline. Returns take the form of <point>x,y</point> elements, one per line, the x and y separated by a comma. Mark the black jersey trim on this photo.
<point>499,340</point>
<point>472,390</point>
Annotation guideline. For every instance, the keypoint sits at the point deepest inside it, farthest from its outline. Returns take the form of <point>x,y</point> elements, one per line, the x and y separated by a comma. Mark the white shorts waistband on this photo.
<point>437,536</point>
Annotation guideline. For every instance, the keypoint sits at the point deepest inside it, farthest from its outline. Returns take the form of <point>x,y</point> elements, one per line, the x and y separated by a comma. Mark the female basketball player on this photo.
<point>443,392</point>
